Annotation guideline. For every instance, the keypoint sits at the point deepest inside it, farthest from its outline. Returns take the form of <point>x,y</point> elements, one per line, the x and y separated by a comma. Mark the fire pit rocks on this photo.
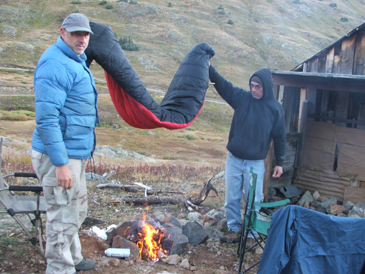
<point>152,239</point>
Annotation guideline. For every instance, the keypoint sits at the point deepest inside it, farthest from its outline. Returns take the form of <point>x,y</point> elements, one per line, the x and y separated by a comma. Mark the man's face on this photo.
<point>77,41</point>
<point>257,90</point>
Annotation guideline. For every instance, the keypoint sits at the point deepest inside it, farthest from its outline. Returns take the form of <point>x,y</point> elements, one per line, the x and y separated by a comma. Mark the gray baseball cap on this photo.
<point>76,22</point>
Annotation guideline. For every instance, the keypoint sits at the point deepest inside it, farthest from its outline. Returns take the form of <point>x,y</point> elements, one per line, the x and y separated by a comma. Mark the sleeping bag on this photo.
<point>183,100</point>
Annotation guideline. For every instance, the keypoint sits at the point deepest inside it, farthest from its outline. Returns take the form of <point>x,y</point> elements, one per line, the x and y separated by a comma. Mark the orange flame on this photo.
<point>150,241</point>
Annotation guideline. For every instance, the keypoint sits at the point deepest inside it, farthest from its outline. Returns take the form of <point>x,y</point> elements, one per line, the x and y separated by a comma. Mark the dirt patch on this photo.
<point>205,150</point>
<point>18,256</point>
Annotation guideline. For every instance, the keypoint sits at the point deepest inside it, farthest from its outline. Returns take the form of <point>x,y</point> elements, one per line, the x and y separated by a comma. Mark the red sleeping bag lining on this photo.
<point>134,113</point>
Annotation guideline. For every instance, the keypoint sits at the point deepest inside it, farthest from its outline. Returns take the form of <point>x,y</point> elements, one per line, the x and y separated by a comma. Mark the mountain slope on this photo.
<point>265,33</point>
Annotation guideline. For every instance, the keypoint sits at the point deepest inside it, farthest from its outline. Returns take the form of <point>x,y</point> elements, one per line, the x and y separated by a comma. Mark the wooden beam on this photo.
<point>360,123</point>
<point>326,81</point>
<point>303,97</point>
<point>302,129</point>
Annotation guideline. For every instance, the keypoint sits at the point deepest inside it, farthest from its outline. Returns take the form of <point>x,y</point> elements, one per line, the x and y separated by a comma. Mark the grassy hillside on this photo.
<point>263,33</point>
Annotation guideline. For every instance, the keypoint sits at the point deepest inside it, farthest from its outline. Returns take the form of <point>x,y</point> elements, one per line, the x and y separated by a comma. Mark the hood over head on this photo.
<point>267,83</point>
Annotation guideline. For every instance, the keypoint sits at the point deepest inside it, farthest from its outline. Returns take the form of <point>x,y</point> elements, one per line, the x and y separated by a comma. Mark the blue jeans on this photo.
<point>237,176</point>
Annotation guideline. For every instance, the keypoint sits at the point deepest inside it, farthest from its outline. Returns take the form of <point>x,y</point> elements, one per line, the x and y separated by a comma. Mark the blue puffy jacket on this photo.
<point>66,105</point>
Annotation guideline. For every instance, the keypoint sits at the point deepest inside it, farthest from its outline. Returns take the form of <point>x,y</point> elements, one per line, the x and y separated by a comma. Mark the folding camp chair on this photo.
<point>28,205</point>
<point>254,221</point>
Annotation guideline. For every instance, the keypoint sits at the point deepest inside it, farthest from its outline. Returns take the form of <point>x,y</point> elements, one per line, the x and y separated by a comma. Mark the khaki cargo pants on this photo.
<point>66,211</point>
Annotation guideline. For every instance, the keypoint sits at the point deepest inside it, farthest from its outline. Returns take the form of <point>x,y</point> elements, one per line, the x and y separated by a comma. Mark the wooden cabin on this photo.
<point>324,104</point>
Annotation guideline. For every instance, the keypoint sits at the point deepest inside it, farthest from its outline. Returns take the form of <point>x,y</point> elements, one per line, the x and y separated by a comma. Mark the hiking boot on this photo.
<point>85,264</point>
<point>230,237</point>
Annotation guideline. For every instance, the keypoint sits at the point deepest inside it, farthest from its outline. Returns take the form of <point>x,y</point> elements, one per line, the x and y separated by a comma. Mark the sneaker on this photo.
<point>85,264</point>
<point>230,237</point>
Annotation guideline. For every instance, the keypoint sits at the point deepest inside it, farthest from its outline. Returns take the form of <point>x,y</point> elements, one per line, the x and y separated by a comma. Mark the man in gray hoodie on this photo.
<point>257,120</point>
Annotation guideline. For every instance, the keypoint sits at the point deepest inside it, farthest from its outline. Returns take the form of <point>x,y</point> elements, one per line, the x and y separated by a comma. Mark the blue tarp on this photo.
<point>303,241</point>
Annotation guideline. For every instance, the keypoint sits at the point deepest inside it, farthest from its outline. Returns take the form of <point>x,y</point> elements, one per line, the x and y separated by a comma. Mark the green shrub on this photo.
<point>17,115</point>
<point>103,2</point>
<point>222,12</point>
<point>189,137</point>
<point>333,5</point>
<point>126,1</point>
<point>76,2</point>
<point>109,6</point>
<point>220,7</point>
<point>133,2</point>
<point>169,5</point>
<point>169,157</point>
<point>127,44</point>
<point>230,22</point>
<point>344,19</point>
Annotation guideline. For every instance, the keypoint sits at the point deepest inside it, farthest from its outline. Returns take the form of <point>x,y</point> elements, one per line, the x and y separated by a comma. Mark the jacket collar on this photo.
<point>69,52</point>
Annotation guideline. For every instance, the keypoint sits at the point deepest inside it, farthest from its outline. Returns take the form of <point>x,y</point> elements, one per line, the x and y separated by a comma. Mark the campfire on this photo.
<point>151,242</point>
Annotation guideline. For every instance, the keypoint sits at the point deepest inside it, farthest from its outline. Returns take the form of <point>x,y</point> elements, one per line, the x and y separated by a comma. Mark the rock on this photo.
<point>306,197</point>
<point>175,222</point>
<point>93,177</point>
<point>214,233</point>
<point>220,175</point>
<point>316,195</point>
<point>165,272</point>
<point>112,152</point>
<point>222,225</point>
<point>259,250</point>
<point>358,211</point>
<point>306,204</point>
<point>348,205</point>
<point>180,242</point>
<point>120,242</point>
<point>329,202</point>
<point>195,216</point>
<point>185,264</point>
<point>163,217</point>
<point>114,262</point>
<point>173,259</point>
<point>195,233</point>
<point>320,209</point>
<point>335,209</point>
<point>216,214</point>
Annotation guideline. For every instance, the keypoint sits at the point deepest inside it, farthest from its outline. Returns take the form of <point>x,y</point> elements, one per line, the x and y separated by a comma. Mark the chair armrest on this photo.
<point>36,189</point>
<point>23,174</point>
<point>273,204</point>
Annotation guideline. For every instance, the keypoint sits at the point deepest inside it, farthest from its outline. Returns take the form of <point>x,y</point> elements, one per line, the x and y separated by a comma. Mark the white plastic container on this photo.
<point>118,252</point>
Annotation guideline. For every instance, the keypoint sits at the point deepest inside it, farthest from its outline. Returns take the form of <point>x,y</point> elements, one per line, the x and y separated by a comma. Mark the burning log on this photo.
<point>151,239</point>
<point>151,242</point>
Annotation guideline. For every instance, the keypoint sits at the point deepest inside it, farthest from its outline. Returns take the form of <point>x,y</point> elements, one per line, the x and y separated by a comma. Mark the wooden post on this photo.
<point>301,130</point>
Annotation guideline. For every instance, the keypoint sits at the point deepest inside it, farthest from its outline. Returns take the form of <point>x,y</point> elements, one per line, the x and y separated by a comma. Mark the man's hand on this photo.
<point>278,171</point>
<point>64,176</point>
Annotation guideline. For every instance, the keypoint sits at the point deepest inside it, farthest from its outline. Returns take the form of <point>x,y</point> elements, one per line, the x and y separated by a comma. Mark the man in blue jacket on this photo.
<point>64,138</point>
<point>257,120</point>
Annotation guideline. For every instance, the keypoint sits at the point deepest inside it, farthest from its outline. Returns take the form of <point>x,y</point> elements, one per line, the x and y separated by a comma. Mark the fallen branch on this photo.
<point>153,200</point>
<point>136,188</point>
<point>189,202</point>
<point>204,192</point>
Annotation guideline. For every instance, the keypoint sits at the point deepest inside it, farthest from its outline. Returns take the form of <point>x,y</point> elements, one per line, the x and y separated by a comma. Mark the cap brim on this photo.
<point>73,29</point>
